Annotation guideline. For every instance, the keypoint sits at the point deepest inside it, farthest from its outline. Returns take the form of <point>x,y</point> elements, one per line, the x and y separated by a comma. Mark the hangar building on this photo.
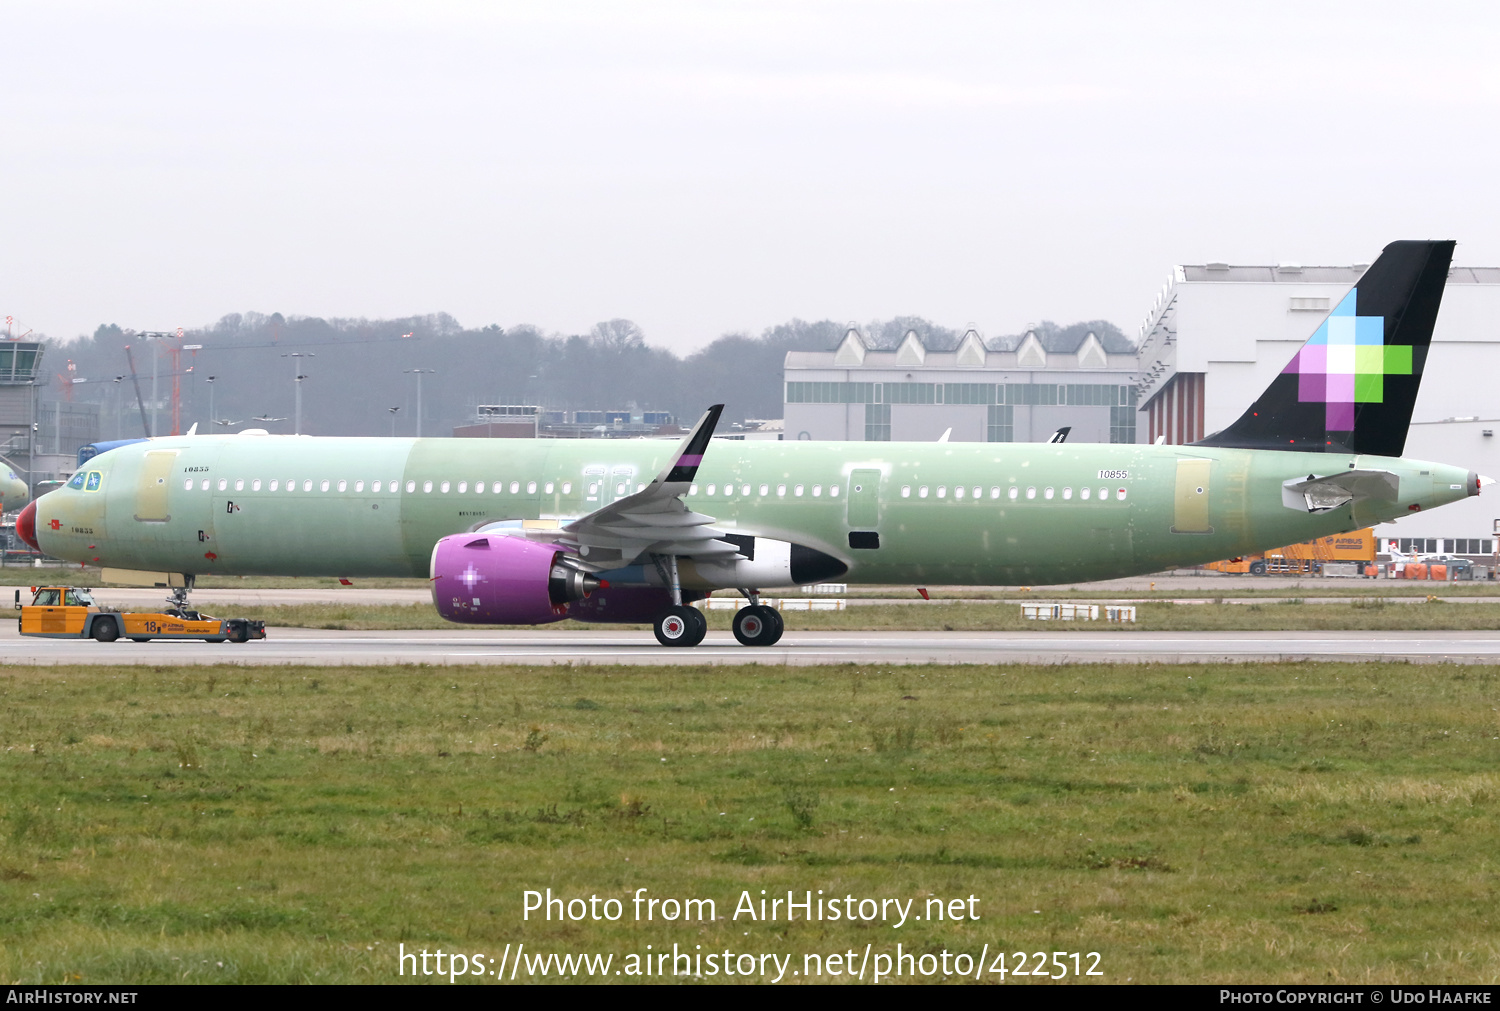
<point>1006,389</point>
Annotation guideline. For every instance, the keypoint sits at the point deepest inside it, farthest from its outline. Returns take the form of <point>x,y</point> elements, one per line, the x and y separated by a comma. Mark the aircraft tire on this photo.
<point>680,625</point>
<point>756,625</point>
<point>775,615</point>
<point>105,630</point>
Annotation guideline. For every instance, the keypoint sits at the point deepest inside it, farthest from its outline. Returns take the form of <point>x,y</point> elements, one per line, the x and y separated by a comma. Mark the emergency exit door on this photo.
<point>864,508</point>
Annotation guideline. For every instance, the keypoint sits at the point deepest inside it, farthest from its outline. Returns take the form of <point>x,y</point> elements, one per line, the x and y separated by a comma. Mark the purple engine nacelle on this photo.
<point>501,580</point>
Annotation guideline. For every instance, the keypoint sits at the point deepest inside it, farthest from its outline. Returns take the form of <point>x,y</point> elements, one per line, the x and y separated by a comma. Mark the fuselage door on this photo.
<point>1190,501</point>
<point>864,499</point>
<point>151,488</point>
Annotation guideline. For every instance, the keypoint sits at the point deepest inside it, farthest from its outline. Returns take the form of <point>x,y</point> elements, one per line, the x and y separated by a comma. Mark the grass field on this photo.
<point>1372,614</point>
<point>1252,823</point>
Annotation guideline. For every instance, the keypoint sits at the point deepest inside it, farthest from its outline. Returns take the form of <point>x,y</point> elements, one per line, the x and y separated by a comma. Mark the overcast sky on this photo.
<point>702,167</point>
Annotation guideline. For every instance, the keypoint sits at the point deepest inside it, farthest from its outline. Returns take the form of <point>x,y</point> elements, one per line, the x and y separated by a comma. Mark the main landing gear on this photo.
<point>680,625</point>
<point>757,625</point>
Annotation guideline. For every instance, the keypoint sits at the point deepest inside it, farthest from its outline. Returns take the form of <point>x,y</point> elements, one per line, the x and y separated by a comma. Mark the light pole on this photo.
<point>393,411</point>
<point>419,373</point>
<point>212,417</point>
<point>297,385</point>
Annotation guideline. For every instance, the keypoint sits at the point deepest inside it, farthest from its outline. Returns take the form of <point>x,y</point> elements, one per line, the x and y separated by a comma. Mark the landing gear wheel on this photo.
<point>756,625</point>
<point>105,630</point>
<point>680,626</point>
<point>775,616</point>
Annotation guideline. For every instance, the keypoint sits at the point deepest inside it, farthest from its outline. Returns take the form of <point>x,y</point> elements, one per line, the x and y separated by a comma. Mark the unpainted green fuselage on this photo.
<point>953,513</point>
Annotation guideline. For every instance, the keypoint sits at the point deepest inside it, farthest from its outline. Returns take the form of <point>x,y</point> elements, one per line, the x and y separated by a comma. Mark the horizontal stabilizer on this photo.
<point>1321,494</point>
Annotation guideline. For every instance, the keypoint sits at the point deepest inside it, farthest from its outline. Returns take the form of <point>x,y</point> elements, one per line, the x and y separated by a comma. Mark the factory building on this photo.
<point>1217,335</point>
<point>1005,389</point>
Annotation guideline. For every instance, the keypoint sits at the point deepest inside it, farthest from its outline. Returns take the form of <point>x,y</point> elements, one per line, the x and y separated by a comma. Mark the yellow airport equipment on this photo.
<point>69,612</point>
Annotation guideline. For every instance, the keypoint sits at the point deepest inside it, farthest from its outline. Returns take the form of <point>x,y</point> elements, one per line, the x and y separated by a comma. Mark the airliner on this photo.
<point>531,532</point>
<point>13,491</point>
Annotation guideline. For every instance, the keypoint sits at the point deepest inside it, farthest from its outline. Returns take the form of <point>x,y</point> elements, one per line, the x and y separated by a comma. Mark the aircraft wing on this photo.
<point>1321,494</point>
<point>654,520</point>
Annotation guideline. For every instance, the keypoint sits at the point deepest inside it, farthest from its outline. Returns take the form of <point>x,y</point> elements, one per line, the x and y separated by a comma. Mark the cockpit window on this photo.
<point>77,481</point>
<point>93,481</point>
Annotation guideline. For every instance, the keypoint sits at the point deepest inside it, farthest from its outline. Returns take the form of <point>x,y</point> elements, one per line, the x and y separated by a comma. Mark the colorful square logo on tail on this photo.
<point>1345,363</point>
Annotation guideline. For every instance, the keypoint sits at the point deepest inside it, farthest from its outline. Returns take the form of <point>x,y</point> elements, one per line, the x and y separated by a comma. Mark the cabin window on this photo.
<point>567,487</point>
<point>531,487</point>
<point>343,485</point>
<point>942,491</point>
<point>255,485</point>
<point>692,489</point>
<point>744,490</point>
<point>307,485</point>
<point>1031,493</point>
<point>239,484</point>
<point>922,491</point>
<point>187,485</point>
<point>781,490</point>
<point>728,490</point>
<point>411,486</point>
<point>765,489</point>
<point>817,491</point>
<point>1047,494</point>
<point>906,491</point>
<point>1084,493</point>
<point>712,489</point>
<point>1014,491</point>
<point>1067,494</point>
<point>478,488</point>
<point>427,487</point>
<point>375,486</point>
<point>620,488</point>
<point>979,492</point>
<point>205,484</point>
<point>958,491</point>
<point>359,486</point>
<point>593,488</point>
<point>548,488</point>
<point>463,487</point>
<point>324,486</point>
<point>1103,494</point>
<point>275,485</point>
<point>797,491</point>
<point>833,491</point>
<point>515,487</point>
<point>1120,494</point>
<point>444,487</point>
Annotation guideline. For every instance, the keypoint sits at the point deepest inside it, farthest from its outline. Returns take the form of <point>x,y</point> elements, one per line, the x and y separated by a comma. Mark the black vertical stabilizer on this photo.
<point>1351,387</point>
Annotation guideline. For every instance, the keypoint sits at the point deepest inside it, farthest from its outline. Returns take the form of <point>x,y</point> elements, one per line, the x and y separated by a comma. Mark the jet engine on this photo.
<point>489,579</point>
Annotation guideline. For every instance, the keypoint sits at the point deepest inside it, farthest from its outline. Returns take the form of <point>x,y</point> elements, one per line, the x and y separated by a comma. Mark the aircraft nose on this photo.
<point>26,526</point>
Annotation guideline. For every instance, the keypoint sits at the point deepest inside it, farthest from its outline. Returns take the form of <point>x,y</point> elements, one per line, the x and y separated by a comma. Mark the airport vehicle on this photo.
<point>69,612</point>
<point>534,531</point>
<point>1306,558</point>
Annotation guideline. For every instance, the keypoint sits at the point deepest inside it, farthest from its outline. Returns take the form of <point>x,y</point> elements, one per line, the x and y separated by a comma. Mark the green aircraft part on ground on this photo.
<point>952,513</point>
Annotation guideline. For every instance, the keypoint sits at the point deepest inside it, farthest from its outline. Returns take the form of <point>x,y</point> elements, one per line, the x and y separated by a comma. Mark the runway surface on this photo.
<point>542,647</point>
